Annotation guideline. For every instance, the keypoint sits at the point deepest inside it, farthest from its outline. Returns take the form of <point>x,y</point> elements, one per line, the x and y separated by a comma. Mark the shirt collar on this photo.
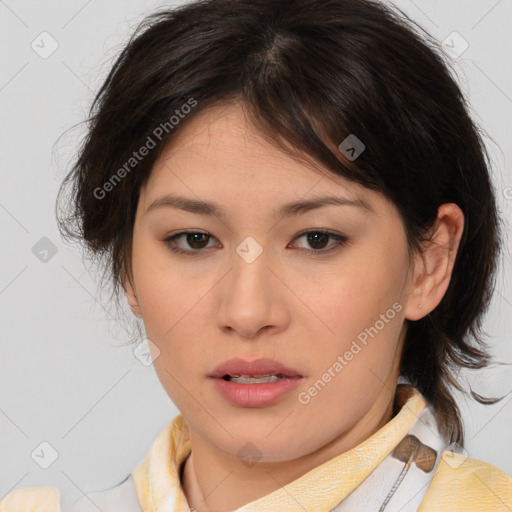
<point>159,488</point>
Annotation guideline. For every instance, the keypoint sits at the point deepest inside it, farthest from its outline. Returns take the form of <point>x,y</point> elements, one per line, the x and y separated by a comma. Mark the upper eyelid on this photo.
<point>337,237</point>
<point>302,233</point>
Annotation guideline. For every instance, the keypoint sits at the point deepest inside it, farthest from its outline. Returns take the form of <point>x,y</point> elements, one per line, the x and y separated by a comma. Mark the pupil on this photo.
<point>312,239</point>
<point>193,239</point>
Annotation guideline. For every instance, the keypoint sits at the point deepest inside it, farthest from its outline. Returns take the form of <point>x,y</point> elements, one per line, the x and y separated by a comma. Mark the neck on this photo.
<point>215,482</point>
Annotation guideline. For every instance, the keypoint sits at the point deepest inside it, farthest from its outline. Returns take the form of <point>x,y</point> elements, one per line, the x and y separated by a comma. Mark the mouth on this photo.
<point>258,371</point>
<point>255,379</point>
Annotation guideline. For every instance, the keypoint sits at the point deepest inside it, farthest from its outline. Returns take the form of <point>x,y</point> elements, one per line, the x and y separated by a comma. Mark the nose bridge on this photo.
<point>250,271</point>
<point>248,301</point>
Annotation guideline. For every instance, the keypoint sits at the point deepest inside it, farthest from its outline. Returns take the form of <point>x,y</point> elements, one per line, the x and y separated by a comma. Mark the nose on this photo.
<point>251,299</point>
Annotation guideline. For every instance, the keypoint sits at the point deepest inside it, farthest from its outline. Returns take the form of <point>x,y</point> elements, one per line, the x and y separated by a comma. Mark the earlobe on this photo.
<point>433,267</point>
<point>131,296</point>
<point>134,306</point>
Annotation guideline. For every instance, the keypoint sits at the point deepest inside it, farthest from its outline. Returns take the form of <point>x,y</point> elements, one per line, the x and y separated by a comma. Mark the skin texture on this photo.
<point>298,308</point>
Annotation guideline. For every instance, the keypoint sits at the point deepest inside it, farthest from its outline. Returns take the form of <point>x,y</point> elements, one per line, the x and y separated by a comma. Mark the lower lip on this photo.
<point>255,395</point>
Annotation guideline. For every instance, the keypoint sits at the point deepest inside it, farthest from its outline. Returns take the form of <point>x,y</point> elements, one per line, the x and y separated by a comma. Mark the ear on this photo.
<point>433,266</point>
<point>131,295</point>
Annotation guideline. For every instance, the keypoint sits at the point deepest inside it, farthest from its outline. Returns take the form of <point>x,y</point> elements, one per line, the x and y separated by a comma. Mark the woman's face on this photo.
<point>262,282</point>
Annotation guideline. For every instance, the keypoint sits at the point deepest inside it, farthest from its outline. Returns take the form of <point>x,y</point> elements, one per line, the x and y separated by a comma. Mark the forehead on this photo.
<point>221,147</point>
<point>220,166</point>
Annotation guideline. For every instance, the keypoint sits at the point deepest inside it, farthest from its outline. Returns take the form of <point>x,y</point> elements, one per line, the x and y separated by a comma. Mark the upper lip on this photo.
<point>263,366</point>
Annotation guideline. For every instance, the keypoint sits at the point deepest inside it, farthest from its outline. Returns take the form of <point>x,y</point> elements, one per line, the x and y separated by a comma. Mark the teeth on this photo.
<point>260,379</point>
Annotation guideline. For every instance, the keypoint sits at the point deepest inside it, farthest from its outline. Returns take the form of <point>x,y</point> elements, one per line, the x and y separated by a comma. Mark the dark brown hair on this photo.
<point>309,73</point>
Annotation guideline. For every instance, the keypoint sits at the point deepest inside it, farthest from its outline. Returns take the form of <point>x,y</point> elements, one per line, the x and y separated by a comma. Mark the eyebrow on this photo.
<point>287,210</point>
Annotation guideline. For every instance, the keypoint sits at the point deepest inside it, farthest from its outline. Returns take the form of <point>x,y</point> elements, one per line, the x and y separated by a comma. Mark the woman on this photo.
<point>294,200</point>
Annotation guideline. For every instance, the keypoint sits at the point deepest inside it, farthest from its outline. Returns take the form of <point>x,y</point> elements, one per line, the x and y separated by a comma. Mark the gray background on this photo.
<point>65,376</point>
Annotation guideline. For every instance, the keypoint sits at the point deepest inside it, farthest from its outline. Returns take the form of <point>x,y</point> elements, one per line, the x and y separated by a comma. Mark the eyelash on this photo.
<point>340,241</point>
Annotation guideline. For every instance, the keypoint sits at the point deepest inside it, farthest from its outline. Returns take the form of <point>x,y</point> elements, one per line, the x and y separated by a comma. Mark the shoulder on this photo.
<point>121,498</point>
<point>32,499</point>
<point>467,485</point>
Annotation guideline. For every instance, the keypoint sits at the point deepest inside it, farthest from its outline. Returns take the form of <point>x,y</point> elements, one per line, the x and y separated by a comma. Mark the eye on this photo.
<point>195,239</point>
<point>198,241</point>
<point>318,239</point>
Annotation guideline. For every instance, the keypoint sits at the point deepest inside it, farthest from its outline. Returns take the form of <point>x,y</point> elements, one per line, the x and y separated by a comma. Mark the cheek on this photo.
<point>362,306</point>
<point>357,295</point>
<point>172,299</point>
<point>160,294</point>
<point>171,308</point>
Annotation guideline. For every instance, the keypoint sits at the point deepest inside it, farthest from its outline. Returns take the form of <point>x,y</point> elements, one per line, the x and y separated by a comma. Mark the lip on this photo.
<point>255,395</point>
<point>262,366</point>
